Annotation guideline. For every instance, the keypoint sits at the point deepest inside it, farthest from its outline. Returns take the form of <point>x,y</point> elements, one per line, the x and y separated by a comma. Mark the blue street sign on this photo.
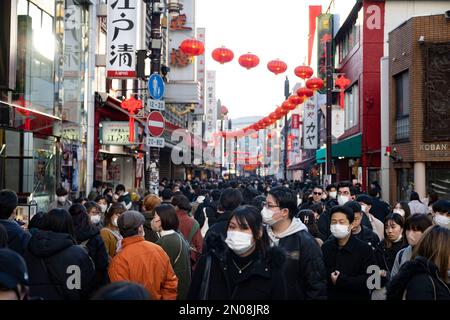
<point>156,86</point>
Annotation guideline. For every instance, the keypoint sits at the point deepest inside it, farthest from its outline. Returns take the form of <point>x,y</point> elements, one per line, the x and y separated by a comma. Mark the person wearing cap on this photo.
<point>61,200</point>
<point>13,276</point>
<point>366,203</point>
<point>141,261</point>
<point>17,237</point>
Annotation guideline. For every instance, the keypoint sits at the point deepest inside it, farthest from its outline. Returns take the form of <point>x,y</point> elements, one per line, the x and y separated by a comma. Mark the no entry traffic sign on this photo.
<point>155,123</point>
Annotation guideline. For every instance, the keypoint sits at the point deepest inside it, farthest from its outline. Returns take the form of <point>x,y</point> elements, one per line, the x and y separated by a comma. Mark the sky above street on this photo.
<point>269,29</point>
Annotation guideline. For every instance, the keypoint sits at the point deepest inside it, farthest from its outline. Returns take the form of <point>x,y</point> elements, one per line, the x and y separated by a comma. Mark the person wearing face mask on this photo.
<point>441,213</point>
<point>427,275</point>
<point>305,272</point>
<point>165,222</point>
<point>110,233</point>
<point>103,203</point>
<point>244,267</point>
<point>376,225</point>
<point>402,208</point>
<point>346,258</point>
<point>88,236</point>
<point>141,261</point>
<point>62,201</point>
<point>95,213</point>
<point>415,226</point>
<point>123,196</point>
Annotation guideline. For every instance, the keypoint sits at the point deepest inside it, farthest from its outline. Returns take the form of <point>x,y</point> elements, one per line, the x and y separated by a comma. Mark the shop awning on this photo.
<point>348,148</point>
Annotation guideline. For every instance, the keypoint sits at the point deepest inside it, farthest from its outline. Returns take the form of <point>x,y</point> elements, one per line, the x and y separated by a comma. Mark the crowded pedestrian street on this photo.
<point>240,150</point>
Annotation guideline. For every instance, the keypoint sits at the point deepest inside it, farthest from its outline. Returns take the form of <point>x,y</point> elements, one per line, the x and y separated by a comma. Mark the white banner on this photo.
<point>310,133</point>
<point>121,39</point>
<point>337,119</point>
<point>181,27</point>
<point>201,70</point>
<point>210,107</point>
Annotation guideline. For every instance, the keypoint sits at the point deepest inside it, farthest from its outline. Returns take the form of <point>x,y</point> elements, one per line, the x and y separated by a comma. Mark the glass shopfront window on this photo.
<point>438,180</point>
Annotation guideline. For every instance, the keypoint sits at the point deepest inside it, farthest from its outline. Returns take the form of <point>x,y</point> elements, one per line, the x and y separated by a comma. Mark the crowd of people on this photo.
<point>252,239</point>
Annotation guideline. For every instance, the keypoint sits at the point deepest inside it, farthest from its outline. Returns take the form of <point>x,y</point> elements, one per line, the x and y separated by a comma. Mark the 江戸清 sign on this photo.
<point>121,39</point>
<point>116,132</point>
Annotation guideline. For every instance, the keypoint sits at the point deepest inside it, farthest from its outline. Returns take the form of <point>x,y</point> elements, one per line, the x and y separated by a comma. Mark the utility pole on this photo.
<point>286,95</point>
<point>329,106</point>
<point>155,45</point>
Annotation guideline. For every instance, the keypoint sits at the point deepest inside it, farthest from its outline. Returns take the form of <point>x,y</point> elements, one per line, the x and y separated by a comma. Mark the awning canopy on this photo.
<point>348,148</point>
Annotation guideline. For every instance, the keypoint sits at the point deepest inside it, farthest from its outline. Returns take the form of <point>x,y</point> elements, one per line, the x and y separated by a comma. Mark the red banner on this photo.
<point>295,121</point>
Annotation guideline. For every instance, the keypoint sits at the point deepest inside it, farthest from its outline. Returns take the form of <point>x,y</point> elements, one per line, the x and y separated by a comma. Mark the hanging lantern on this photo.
<point>287,105</point>
<point>303,72</point>
<point>132,106</point>
<point>274,116</point>
<point>249,60</point>
<point>314,84</point>
<point>276,66</point>
<point>192,47</point>
<point>342,82</point>
<point>295,99</point>
<point>305,92</point>
<point>222,55</point>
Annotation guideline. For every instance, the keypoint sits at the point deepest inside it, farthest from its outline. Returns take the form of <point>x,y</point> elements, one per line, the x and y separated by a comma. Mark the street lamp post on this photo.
<point>286,95</point>
<point>329,106</point>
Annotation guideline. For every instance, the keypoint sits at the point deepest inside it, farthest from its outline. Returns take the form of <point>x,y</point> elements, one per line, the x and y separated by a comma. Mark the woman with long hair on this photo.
<point>426,276</point>
<point>110,233</point>
<point>244,267</point>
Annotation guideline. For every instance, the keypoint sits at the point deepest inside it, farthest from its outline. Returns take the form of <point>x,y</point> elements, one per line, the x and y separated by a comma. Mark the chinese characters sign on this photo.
<point>121,44</point>
<point>211,107</point>
<point>310,125</point>
<point>116,133</point>
<point>324,35</point>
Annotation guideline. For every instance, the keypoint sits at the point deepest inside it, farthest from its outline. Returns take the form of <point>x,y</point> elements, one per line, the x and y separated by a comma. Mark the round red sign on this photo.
<point>155,123</point>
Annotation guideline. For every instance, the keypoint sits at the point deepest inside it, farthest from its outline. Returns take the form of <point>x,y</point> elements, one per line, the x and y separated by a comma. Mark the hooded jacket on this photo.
<point>54,261</point>
<point>263,280</point>
<point>97,251</point>
<point>304,271</point>
<point>418,279</point>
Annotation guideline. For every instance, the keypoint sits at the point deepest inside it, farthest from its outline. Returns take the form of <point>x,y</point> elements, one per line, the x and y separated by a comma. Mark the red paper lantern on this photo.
<point>304,92</point>
<point>287,105</point>
<point>342,82</point>
<point>192,47</point>
<point>249,60</point>
<point>295,99</point>
<point>276,66</point>
<point>222,55</point>
<point>303,72</point>
<point>314,83</point>
<point>274,116</point>
<point>132,106</point>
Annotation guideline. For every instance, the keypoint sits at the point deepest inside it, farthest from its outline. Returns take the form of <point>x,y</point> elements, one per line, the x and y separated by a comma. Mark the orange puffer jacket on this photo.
<point>147,264</point>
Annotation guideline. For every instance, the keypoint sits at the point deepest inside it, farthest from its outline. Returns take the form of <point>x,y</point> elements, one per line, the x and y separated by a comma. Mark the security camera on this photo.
<point>158,7</point>
<point>421,40</point>
<point>447,14</point>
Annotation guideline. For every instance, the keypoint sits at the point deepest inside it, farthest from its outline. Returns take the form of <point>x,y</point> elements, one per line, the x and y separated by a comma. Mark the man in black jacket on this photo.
<point>230,199</point>
<point>346,259</point>
<point>360,231</point>
<point>17,237</point>
<point>304,270</point>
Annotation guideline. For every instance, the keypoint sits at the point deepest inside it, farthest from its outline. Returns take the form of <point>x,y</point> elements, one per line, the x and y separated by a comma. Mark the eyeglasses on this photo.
<point>265,204</point>
<point>318,193</point>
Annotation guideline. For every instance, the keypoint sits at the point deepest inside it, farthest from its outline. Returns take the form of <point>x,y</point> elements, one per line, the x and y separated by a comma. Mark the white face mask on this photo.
<point>399,211</point>
<point>364,208</point>
<point>104,207</point>
<point>342,200</point>
<point>333,194</point>
<point>62,199</point>
<point>442,220</point>
<point>324,197</point>
<point>114,222</point>
<point>239,242</point>
<point>339,231</point>
<point>95,219</point>
<point>267,216</point>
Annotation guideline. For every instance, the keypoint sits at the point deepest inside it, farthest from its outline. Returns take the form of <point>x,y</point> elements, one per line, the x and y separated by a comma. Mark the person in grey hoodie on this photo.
<point>305,270</point>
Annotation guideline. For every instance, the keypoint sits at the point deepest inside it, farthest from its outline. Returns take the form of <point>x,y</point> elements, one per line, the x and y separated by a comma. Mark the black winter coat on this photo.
<point>211,212</point>
<point>263,280</point>
<point>50,259</point>
<point>351,261</point>
<point>97,252</point>
<point>418,279</point>
<point>304,270</point>
<point>368,236</point>
<point>220,227</point>
<point>379,209</point>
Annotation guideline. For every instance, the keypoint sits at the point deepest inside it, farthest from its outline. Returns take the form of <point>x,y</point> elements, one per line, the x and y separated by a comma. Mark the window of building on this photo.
<point>402,105</point>
<point>351,106</point>
<point>349,40</point>
<point>438,180</point>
